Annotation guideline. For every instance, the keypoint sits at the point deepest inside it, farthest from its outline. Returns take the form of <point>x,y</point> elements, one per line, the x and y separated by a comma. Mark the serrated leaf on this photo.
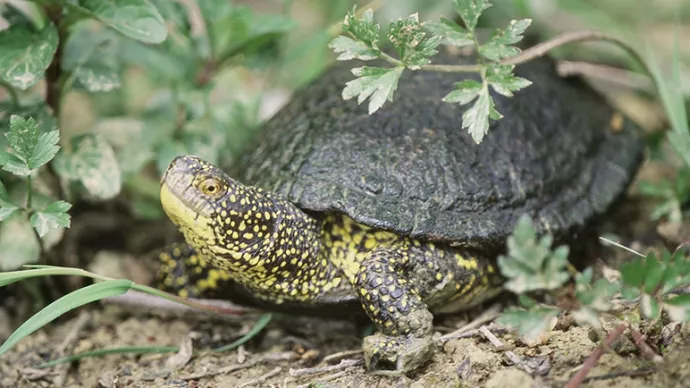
<point>136,19</point>
<point>46,148</point>
<point>464,92</point>
<point>363,29</point>
<point>18,243</point>
<point>52,217</point>
<point>411,43</point>
<point>530,263</point>
<point>351,49</point>
<point>374,82</point>
<point>470,10</point>
<point>450,32</point>
<point>529,323</point>
<point>22,136</point>
<point>31,149</point>
<point>7,207</point>
<point>502,80</point>
<point>25,54</point>
<point>93,163</point>
<point>476,119</point>
<point>500,44</point>
<point>13,164</point>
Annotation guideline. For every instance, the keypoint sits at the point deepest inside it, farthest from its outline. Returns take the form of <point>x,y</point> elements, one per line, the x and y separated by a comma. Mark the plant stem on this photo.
<point>29,194</point>
<point>11,92</point>
<point>543,48</point>
<point>593,358</point>
<point>54,70</point>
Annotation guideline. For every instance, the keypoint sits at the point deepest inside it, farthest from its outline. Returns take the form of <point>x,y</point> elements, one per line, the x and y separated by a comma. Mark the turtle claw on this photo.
<point>400,355</point>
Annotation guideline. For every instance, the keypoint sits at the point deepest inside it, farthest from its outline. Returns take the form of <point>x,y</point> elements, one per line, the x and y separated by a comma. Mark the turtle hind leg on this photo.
<point>183,272</point>
<point>405,325</point>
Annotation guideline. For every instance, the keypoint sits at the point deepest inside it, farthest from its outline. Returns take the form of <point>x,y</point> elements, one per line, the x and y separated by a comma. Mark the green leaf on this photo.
<point>7,207</point>
<point>673,101</point>
<point>529,323</point>
<point>52,217</point>
<point>65,304</point>
<point>650,306</point>
<point>363,29</point>
<point>470,10</point>
<point>476,119</point>
<point>450,33</point>
<point>595,298</point>
<point>464,92</point>
<point>166,151</point>
<point>350,49</point>
<point>92,57</point>
<point>530,263</point>
<point>411,43</point>
<point>374,82</point>
<point>136,19</point>
<point>678,308</point>
<point>18,243</point>
<point>262,30</point>
<point>502,80</point>
<point>94,164</point>
<point>500,44</point>
<point>25,54</point>
<point>31,149</point>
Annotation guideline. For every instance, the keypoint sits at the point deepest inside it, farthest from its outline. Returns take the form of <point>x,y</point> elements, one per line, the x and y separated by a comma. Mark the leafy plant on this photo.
<point>415,44</point>
<point>531,265</point>
<point>29,150</point>
<point>89,47</point>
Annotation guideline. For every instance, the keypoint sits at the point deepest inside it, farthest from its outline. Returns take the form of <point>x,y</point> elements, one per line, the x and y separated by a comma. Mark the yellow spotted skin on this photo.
<point>280,254</point>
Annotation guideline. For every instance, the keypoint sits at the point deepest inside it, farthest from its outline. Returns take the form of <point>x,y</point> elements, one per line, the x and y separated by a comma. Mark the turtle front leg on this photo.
<point>405,324</point>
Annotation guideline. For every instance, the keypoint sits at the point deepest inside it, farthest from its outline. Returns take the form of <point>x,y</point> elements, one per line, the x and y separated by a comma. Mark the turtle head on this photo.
<point>218,215</point>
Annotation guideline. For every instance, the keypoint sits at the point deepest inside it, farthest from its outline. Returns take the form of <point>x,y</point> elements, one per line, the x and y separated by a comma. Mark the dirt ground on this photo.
<point>295,351</point>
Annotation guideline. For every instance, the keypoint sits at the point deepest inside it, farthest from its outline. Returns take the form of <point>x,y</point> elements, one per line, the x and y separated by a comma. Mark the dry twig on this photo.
<point>262,378</point>
<point>344,364</point>
<point>593,358</point>
<point>231,368</point>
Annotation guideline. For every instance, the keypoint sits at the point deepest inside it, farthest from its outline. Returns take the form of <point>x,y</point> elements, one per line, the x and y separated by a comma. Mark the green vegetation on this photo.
<point>151,73</point>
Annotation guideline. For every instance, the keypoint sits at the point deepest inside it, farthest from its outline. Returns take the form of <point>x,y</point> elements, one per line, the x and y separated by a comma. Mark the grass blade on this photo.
<point>263,321</point>
<point>108,351</point>
<point>15,276</point>
<point>68,302</point>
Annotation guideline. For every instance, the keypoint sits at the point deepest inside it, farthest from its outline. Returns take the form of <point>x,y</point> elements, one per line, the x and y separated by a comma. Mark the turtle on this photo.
<point>400,212</point>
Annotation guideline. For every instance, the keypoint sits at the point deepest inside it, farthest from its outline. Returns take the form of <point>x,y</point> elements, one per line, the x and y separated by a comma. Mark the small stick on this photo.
<point>489,315</point>
<point>593,358</point>
<point>344,364</point>
<point>261,378</point>
<point>514,358</point>
<point>345,353</point>
<point>231,368</point>
<point>613,375</point>
<point>471,333</point>
<point>609,73</point>
<point>644,347</point>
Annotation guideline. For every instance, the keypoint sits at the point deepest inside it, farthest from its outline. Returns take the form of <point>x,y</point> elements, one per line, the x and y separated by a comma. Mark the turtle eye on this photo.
<point>212,187</point>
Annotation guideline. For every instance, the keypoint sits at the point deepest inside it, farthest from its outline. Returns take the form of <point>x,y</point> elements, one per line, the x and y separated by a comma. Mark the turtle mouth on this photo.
<point>178,193</point>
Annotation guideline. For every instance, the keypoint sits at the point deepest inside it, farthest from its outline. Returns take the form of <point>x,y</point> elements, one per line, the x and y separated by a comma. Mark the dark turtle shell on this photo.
<point>560,154</point>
